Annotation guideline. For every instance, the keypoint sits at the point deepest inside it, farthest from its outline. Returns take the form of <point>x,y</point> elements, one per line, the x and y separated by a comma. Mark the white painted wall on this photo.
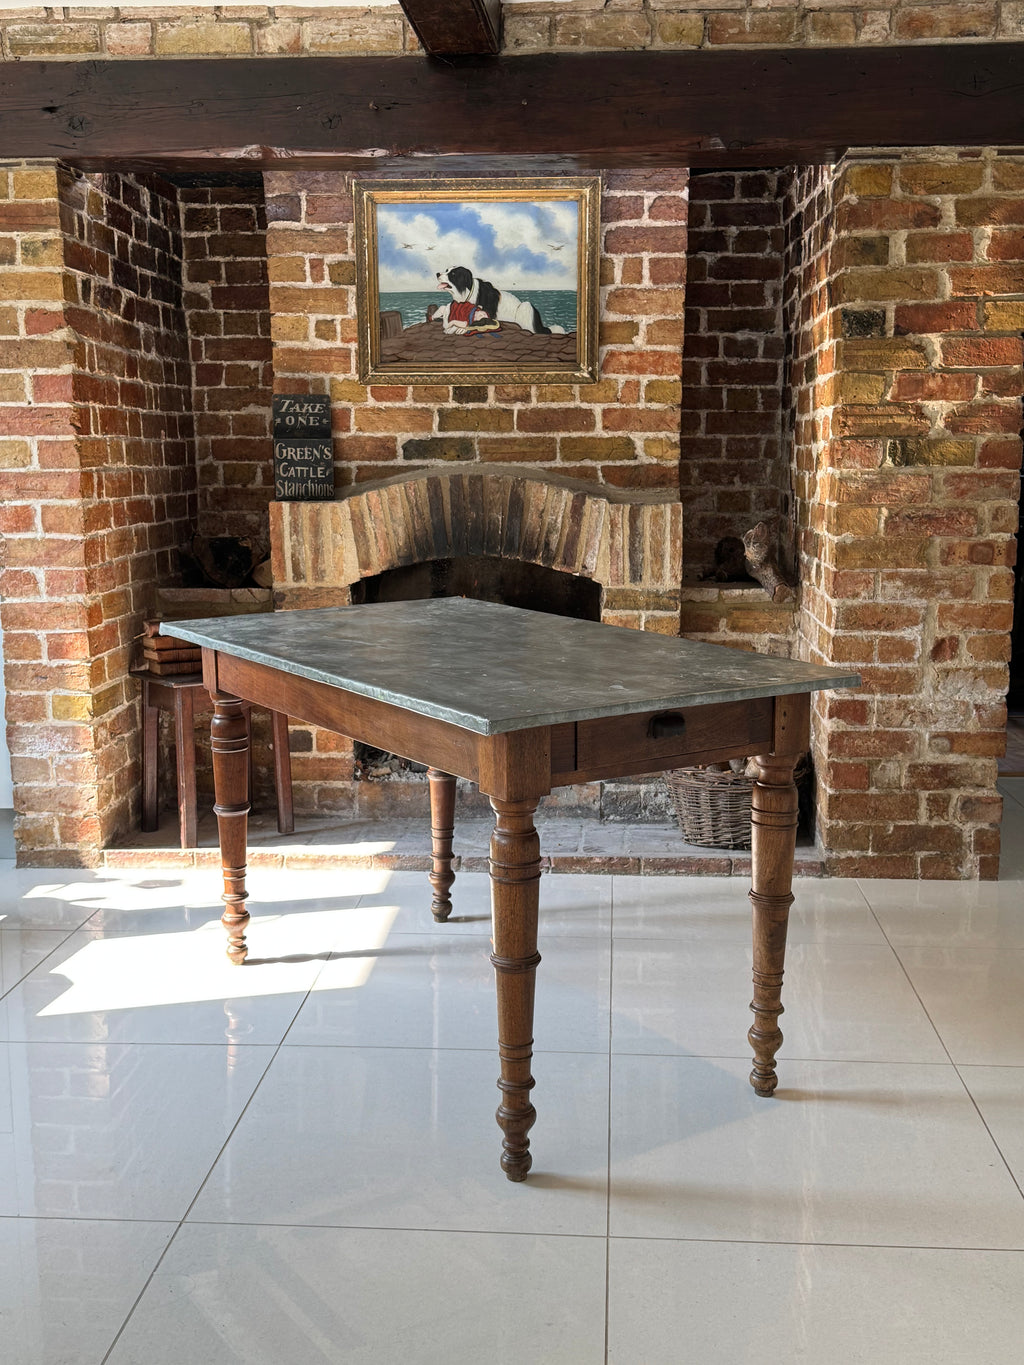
<point>6,787</point>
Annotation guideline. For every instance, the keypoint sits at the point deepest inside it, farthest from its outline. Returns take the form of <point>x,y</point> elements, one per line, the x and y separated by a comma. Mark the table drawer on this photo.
<point>617,741</point>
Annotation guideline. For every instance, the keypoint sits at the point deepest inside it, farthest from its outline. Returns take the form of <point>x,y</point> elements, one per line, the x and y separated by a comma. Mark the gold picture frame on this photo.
<point>536,323</point>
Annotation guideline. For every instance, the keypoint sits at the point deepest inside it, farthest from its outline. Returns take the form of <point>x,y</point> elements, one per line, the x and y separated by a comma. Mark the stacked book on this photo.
<point>165,656</point>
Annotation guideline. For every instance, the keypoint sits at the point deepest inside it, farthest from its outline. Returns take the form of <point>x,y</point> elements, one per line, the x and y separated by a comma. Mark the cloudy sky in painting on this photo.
<point>517,246</point>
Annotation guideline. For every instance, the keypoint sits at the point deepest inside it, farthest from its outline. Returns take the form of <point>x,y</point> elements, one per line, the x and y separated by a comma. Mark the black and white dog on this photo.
<point>499,304</point>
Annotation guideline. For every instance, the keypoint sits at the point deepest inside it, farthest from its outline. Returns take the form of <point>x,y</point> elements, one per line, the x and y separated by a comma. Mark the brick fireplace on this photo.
<point>850,364</point>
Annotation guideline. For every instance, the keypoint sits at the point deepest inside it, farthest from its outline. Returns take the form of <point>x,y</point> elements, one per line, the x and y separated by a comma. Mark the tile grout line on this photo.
<point>942,1043</point>
<point>608,1146</point>
<point>203,1183</point>
<point>984,1122</point>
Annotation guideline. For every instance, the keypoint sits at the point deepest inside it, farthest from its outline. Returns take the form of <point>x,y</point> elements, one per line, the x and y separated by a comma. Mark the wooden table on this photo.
<point>518,702</point>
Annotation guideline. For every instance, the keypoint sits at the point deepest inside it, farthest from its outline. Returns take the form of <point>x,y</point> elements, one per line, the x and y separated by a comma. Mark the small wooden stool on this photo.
<point>184,694</point>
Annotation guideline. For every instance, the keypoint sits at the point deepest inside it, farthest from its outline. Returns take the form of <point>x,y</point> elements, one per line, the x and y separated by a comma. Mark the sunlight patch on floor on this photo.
<point>142,970</point>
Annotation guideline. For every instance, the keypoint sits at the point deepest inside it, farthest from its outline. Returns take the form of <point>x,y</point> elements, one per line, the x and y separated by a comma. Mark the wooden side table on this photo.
<point>183,695</point>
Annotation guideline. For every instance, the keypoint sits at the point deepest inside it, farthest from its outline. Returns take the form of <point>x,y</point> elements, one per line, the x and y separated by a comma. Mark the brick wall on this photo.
<point>43,577</point>
<point>98,483</point>
<point>732,473</point>
<point>908,454</point>
<point>227,310</point>
<point>540,25</point>
<point>623,430</point>
<point>133,416</point>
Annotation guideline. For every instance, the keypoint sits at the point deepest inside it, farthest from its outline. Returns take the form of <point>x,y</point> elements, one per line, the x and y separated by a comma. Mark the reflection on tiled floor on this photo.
<point>296,1161</point>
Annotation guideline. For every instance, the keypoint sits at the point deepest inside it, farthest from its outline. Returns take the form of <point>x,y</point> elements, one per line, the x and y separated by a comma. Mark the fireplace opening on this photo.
<point>514,583</point>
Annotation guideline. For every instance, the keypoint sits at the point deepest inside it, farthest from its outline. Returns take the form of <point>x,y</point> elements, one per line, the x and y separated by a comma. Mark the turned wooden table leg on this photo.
<point>442,830</point>
<point>515,892</point>
<point>773,817</point>
<point>229,741</point>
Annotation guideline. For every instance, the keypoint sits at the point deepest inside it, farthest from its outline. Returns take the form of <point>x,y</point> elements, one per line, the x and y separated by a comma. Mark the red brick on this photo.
<point>981,352</point>
<point>923,318</point>
<point>939,246</point>
<point>554,419</point>
<point>641,240</point>
<point>948,388</point>
<point>640,362</point>
<point>886,214</point>
<point>988,211</point>
<point>983,418</point>
<point>987,280</point>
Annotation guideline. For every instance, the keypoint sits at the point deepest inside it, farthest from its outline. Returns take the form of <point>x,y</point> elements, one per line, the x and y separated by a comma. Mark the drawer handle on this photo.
<point>667,726</point>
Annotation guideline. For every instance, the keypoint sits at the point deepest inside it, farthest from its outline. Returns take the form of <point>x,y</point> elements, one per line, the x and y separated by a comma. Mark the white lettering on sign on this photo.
<point>305,489</point>
<point>303,469</point>
<point>297,412</point>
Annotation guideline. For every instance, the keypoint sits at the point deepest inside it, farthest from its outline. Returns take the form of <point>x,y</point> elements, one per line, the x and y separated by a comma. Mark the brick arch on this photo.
<point>629,542</point>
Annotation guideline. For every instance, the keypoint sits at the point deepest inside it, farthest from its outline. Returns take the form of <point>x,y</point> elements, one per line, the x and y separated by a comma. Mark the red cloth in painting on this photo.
<point>460,312</point>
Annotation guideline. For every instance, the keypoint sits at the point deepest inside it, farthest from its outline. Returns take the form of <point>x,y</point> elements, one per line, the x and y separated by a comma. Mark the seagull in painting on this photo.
<point>555,246</point>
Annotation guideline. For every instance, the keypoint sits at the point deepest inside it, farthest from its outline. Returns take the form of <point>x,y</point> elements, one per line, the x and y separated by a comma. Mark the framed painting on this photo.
<point>477,281</point>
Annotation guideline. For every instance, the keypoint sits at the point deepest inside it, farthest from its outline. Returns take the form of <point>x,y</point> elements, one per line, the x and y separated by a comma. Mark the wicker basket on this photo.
<point>713,808</point>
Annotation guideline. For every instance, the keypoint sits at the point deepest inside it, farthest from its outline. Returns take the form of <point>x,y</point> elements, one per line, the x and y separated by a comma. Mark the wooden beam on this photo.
<point>453,27</point>
<point>552,112</point>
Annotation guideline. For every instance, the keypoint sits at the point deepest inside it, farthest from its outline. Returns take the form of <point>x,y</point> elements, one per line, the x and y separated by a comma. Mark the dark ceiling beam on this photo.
<point>552,112</point>
<point>450,27</point>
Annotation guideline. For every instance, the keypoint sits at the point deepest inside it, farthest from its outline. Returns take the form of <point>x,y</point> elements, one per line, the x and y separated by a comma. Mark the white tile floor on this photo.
<point>297,1161</point>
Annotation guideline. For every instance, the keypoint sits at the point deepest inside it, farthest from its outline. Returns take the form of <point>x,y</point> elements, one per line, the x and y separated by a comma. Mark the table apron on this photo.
<point>421,739</point>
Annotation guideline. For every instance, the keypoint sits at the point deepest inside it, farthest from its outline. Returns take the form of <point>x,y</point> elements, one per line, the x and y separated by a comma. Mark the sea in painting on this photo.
<point>557,307</point>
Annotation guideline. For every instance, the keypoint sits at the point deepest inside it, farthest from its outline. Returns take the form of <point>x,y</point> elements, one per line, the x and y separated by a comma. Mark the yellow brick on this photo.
<point>38,251</point>
<point>929,452</point>
<point>347,391</point>
<point>618,333</point>
<point>663,391</point>
<point>879,353</point>
<point>860,388</point>
<point>679,30</point>
<point>288,328</point>
<point>35,184</point>
<point>903,283</point>
<point>1004,317</point>
<point>523,31</point>
<point>355,32</point>
<point>71,708</point>
<point>608,29</point>
<point>15,454</point>
<point>202,39</point>
<point>287,269</point>
<point>866,181</point>
<point>661,448</point>
<point>851,521</point>
<point>933,177</point>
<point>1008,174</point>
<point>44,40</point>
<point>32,286</point>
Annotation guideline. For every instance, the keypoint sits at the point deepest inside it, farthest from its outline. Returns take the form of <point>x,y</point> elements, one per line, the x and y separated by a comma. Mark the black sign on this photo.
<point>303,470</point>
<point>303,453</point>
<point>301,414</point>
